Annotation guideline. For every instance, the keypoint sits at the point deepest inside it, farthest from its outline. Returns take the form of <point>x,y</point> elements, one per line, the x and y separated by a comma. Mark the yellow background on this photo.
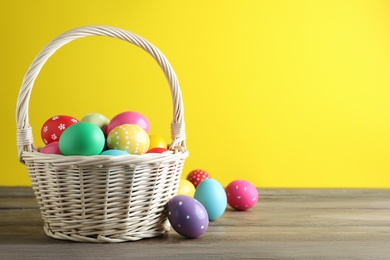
<point>281,93</point>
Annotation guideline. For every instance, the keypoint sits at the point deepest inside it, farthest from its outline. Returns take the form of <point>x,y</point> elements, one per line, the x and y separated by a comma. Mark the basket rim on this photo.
<point>103,160</point>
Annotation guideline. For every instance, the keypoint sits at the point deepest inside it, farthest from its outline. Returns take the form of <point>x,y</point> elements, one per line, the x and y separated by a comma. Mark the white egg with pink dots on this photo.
<point>241,194</point>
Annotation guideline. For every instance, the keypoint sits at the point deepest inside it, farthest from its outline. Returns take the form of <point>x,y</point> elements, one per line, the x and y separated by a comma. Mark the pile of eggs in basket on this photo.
<point>202,199</point>
<point>94,134</point>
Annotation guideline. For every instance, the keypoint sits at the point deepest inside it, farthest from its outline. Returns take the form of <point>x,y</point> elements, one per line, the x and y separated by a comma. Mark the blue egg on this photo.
<point>114,152</point>
<point>212,196</point>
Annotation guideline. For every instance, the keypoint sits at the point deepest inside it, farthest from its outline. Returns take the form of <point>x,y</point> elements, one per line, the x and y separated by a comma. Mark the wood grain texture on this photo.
<point>285,224</point>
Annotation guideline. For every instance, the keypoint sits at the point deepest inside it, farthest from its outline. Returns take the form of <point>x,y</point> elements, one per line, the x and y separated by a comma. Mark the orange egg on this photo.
<point>157,141</point>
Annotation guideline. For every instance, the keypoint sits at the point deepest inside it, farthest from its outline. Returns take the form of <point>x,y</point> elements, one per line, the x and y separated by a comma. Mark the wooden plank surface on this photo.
<point>285,224</point>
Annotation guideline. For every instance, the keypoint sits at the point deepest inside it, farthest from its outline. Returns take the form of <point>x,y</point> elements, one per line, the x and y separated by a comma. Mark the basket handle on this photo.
<point>25,141</point>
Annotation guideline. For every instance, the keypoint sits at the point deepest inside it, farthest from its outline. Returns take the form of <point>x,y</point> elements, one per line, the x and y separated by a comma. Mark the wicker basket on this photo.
<point>102,198</point>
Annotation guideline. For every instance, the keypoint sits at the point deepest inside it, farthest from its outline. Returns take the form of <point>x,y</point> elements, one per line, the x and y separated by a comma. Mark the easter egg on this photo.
<point>187,216</point>
<point>114,152</point>
<point>130,117</point>
<point>241,194</point>
<point>130,138</point>
<point>186,188</point>
<point>51,148</point>
<point>157,150</point>
<point>212,196</point>
<point>157,141</point>
<point>53,128</point>
<point>197,176</point>
<point>82,138</point>
<point>97,119</point>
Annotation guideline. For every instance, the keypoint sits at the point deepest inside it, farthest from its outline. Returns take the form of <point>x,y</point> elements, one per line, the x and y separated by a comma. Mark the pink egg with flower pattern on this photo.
<point>53,128</point>
<point>241,194</point>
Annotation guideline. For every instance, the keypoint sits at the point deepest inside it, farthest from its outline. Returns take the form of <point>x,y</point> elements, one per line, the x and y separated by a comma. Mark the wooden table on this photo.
<point>285,224</point>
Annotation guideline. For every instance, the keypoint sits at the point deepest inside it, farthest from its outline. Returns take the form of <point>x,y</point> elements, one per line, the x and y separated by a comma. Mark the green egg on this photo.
<point>97,119</point>
<point>82,138</point>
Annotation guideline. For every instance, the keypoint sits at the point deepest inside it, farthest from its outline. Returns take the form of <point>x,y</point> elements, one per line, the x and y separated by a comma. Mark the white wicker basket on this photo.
<point>102,198</point>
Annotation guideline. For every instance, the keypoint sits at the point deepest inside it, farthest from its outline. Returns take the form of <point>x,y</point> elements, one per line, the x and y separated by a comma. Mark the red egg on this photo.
<point>197,176</point>
<point>157,150</point>
<point>53,128</point>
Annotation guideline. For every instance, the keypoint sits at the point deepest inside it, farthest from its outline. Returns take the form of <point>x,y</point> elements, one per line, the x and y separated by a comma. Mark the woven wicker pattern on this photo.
<point>102,198</point>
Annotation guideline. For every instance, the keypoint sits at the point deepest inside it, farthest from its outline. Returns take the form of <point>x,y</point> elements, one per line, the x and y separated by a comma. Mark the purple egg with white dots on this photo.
<point>187,216</point>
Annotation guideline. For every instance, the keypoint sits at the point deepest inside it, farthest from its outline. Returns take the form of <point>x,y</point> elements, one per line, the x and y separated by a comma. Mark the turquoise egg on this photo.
<point>82,138</point>
<point>212,196</point>
<point>114,152</point>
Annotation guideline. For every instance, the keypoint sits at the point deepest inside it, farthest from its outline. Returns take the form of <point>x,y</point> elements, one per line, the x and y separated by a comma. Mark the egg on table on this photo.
<point>197,176</point>
<point>241,194</point>
<point>186,188</point>
<point>187,216</point>
<point>212,196</point>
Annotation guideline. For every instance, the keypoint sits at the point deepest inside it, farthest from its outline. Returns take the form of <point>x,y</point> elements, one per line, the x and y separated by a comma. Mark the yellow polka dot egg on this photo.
<point>130,138</point>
